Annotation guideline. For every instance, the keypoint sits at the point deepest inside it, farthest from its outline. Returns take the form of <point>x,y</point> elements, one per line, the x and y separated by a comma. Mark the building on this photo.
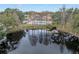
<point>38,22</point>
<point>38,18</point>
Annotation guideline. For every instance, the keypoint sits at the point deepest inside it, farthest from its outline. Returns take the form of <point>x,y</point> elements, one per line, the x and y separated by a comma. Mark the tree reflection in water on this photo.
<point>11,41</point>
<point>73,45</point>
<point>71,42</point>
<point>46,39</point>
<point>42,38</point>
<point>33,40</point>
<point>64,39</point>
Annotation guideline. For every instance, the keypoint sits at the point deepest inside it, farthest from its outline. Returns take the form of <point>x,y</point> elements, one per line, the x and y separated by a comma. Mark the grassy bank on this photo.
<point>28,27</point>
<point>65,28</point>
<point>68,28</point>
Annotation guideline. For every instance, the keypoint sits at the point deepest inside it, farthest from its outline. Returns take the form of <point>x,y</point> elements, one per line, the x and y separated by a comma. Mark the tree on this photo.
<point>56,17</point>
<point>19,13</point>
<point>10,18</point>
<point>75,24</point>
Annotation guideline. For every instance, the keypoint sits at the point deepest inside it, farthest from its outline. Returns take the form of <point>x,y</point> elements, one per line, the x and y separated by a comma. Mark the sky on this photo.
<point>37,7</point>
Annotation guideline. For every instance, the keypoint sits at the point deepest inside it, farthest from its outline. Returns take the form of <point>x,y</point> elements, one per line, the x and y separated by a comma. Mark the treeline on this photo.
<point>64,19</point>
<point>67,19</point>
<point>10,19</point>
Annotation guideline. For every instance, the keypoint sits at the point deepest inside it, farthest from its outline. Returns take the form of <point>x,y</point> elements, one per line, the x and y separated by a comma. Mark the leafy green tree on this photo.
<point>19,13</point>
<point>7,20</point>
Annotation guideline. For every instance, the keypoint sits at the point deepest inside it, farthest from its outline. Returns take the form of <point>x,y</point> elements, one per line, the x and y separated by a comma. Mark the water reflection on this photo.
<point>73,45</point>
<point>11,41</point>
<point>63,39</point>
<point>71,42</point>
<point>33,40</point>
<point>61,43</point>
<point>61,48</point>
<point>42,38</point>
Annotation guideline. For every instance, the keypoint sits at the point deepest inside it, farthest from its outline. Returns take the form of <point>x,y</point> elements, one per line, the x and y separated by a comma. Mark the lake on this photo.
<point>39,42</point>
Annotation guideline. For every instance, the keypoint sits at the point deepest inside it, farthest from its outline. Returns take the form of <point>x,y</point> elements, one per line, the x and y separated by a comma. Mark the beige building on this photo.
<point>37,18</point>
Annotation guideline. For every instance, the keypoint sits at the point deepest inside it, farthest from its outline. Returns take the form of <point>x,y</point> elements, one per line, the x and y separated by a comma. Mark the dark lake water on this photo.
<point>39,42</point>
